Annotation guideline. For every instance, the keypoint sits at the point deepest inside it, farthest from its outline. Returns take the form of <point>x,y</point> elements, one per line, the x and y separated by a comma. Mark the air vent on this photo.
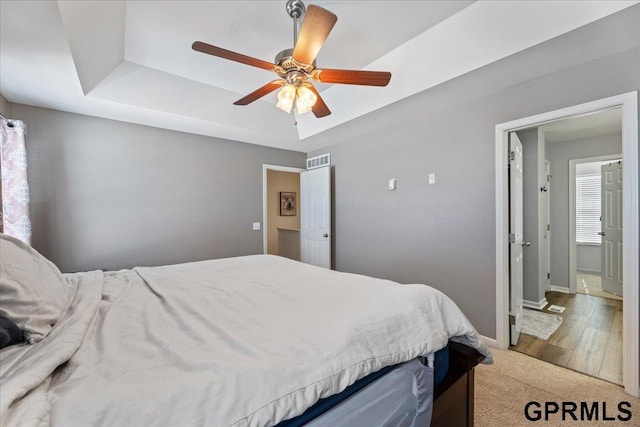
<point>319,161</point>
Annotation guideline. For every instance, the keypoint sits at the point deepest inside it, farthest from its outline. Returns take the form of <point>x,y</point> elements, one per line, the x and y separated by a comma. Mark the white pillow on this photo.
<point>33,292</point>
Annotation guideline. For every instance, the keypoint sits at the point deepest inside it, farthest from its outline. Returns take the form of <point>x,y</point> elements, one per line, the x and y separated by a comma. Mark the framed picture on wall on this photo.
<point>287,203</point>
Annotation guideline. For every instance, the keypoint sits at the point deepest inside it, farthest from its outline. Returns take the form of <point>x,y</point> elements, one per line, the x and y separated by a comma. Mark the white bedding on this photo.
<point>247,341</point>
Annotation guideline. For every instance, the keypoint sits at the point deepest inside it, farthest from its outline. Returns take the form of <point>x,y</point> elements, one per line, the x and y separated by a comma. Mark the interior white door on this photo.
<point>315,220</point>
<point>611,234</point>
<point>516,259</point>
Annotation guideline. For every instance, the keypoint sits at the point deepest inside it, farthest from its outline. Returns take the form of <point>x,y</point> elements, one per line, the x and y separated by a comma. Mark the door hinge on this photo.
<point>512,238</point>
<point>548,276</point>
<point>512,320</point>
<point>512,155</point>
<point>548,227</point>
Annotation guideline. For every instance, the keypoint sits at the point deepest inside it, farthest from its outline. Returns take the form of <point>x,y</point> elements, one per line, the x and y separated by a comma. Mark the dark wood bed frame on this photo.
<point>453,398</point>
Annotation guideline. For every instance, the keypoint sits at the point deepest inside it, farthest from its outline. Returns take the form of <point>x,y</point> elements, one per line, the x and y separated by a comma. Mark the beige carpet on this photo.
<point>503,389</point>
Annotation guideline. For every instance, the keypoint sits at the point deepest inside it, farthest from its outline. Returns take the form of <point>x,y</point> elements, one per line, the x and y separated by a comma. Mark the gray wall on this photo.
<point>559,155</point>
<point>4,106</point>
<point>444,234</point>
<point>530,191</point>
<point>588,258</point>
<point>110,195</point>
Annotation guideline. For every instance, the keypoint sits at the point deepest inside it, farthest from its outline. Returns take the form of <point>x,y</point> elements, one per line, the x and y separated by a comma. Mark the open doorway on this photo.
<point>576,330</point>
<point>597,240</point>
<point>594,339</point>
<point>297,211</point>
<point>281,211</point>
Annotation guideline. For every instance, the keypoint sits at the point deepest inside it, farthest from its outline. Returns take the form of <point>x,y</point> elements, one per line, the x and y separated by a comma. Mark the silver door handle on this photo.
<point>326,235</point>
<point>600,233</point>
<point>526,243</point>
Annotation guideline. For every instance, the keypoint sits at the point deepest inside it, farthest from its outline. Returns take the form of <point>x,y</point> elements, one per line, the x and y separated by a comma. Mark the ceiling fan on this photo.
<point>297,66</point>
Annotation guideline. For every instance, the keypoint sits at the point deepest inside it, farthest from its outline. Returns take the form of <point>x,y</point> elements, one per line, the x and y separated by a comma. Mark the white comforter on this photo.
<point>247,341</point>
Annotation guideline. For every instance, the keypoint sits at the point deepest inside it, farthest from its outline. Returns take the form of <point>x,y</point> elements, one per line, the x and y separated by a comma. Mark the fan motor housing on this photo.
<point>288,63</point>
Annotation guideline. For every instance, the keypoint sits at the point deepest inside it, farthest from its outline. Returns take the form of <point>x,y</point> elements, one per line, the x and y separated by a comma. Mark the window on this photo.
<point>14,187</point>
<point>588,208</point>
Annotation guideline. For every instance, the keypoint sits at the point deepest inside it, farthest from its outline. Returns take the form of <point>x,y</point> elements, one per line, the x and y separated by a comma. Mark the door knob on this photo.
<point>526,243</point>
<point>325,235</point>
<point>600,233</point>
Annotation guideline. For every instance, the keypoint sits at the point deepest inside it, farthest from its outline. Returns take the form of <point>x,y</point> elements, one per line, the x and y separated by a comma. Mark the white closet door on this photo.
<point>516,227</point>
<point>611,234</point>
<point>315,220</point>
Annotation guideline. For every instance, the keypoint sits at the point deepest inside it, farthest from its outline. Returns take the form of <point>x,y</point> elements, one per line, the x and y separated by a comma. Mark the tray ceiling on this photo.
<point>132,60</point>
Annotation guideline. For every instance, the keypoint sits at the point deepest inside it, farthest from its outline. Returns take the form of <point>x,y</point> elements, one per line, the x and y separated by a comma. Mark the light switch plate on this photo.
<point>392,184</point>
<point>256,226</point>
<point>432,178</point>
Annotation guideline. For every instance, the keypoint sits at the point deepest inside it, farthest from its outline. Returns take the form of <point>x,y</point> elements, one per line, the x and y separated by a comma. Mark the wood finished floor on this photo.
<point>591,284</point>
<point>589,340</point>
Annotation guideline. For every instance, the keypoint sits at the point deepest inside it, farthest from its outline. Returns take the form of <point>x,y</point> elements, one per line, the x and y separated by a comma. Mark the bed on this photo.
<point>255,340</point>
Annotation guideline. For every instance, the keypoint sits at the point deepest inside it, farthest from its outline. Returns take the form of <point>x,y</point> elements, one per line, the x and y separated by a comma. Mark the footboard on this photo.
<point>453,398</point>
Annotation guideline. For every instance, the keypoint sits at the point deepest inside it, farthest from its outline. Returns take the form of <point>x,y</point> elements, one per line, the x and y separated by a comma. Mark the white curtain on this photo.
<point>15,188</point>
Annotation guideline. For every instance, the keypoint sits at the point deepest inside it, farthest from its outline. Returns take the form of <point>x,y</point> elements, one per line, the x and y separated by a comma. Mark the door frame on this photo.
<point>631,303</point>
<point>573,246</point>
<point>265,168</point>
<point>547,224</point>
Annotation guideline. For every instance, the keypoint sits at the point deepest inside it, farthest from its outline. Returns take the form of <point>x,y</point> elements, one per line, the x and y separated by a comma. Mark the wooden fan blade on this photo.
<point>353,77</point>
<point>319,109</point>
<point>260,92</point>
<point>232,56</point>
<point>316,26</point>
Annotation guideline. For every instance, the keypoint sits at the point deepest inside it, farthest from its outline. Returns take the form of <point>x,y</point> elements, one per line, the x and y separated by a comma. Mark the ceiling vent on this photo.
<point>319,161</point>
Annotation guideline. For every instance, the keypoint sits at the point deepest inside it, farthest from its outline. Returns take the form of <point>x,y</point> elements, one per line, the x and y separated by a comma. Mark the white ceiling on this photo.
<point>132,60</point>
<point>584,126</point>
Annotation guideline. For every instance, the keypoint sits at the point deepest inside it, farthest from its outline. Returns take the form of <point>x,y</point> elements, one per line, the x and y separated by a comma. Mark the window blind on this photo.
<point>588,208</point>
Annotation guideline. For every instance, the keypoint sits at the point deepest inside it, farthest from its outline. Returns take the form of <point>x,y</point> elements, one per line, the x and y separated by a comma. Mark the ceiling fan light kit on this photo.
<point>303,97</point>
<point>286,96</point>
<point>297,66</point>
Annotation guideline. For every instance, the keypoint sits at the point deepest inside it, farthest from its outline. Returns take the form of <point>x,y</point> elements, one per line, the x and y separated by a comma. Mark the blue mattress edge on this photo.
<point>441,367</point>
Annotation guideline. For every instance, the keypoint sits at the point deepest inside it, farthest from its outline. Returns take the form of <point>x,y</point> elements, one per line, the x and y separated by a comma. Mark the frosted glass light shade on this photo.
<point>305,100</point>
<point>286,96</point>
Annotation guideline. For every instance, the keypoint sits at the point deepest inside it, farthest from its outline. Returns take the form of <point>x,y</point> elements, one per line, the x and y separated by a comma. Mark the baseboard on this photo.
<point>535,305</point>
<point>562,289</point>
<point>489,342</point>
<point>584,270</point>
